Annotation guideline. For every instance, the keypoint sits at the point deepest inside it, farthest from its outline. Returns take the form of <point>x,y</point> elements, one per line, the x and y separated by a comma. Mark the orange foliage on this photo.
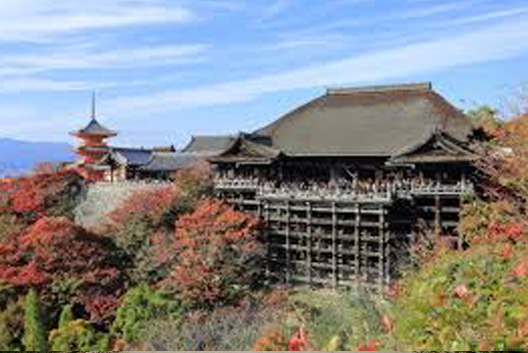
<point>214,244</point>
<point>371,346</point>
<point>273,340</point>
<point>55,250</point>
<point>39,194</point>
<point>145,204</point>
<point>300,341</point>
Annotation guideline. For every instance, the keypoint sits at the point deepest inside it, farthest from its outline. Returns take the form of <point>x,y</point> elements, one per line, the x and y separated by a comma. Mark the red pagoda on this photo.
<point>92,147</point>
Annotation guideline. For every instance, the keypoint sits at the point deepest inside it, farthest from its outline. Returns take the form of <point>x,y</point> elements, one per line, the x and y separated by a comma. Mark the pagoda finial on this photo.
<point>93,105</point>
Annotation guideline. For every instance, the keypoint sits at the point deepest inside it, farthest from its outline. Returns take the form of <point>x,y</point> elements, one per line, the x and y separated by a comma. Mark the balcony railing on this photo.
<point>358,191</point>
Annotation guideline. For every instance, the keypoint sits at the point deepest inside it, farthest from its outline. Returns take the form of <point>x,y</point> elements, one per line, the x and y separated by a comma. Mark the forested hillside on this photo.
<point>174,269</point>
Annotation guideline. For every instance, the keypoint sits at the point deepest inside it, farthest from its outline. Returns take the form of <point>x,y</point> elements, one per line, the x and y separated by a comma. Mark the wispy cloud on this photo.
<point>274,8</point>
<point>28,85</point>
<point>37,20</point>
<point>108,58</point>
<point>491,15</point>
<point>496,42</point>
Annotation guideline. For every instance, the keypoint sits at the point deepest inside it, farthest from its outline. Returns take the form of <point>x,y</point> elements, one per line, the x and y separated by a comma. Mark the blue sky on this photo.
<point>166,69</point>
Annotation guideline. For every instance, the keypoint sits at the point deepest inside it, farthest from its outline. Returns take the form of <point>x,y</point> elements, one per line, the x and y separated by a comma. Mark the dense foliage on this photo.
<point>217,247</point>
<point>70,288</point>
<point>477,298</point>
<point>175,269</point>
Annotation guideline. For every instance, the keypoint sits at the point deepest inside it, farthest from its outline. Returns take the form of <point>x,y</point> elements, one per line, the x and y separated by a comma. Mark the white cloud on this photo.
<point>26,85</point>
<point>496,42</point>
<point>37,20</point>
<point>493,15</point>
<point>110,58</point>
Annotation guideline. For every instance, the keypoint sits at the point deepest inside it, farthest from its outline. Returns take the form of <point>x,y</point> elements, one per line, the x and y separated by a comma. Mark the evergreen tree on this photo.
<point>34,331</point>
<point>66,316</point>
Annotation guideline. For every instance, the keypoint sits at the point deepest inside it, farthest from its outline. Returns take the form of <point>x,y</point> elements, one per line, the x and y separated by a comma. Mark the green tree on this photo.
<point>486,120</point>
<point>34,330</point>
<point>12,326</point>
<point>140,305</point>
<point>76,334</point>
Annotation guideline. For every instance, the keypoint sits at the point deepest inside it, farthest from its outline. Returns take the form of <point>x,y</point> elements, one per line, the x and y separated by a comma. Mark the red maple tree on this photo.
<point>215,244</point>
<point>54,251</point>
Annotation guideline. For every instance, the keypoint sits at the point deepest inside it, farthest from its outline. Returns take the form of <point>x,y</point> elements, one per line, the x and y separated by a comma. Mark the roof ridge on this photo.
<point>412,86</point>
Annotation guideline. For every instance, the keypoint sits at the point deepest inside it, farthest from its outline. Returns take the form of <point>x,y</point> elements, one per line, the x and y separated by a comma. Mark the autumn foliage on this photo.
<point>216,245</point>
<point>148,205</point>
<point>42,194</point>
<point>55,252</point>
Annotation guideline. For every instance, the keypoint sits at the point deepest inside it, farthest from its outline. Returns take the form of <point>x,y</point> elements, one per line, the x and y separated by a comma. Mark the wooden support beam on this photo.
<point>288,250</point>
<point>267,237</point>
<point>437,215</point>
<point>334,246</point>
<point>309,232</point>
<point>381,249</point>
<point>357,249</point>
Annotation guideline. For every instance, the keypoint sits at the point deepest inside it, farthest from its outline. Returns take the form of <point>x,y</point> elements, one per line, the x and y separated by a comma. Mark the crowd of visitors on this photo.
<point>339,188</point>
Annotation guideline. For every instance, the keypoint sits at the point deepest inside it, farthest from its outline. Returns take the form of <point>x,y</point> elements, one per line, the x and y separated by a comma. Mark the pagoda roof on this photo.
<point>95,128</point>
<point>378,121</point>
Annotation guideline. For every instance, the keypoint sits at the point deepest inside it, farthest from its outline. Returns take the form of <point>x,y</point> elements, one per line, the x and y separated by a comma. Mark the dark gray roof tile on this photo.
<point>375,121</point>
<point>209,144</point>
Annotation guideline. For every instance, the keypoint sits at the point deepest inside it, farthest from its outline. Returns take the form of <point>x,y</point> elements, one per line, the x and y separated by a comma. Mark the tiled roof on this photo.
<point>172,161</point>
<point>95,128</point>
<point>371,121</point>
<point>132,156</point>
<point>209,144</point>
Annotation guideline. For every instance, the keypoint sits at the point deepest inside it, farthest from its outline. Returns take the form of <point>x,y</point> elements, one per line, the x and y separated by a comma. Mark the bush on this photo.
<point>65,262</point>
<point>53,194</point>
<point>12,327</point>
<point>76,335</point>
<point>34,330</point>
<point>464,301</point>
<point>217,247</point>
<point>195,183</point>
<point>223,329</point>
<point>340,319</point>
<point>140,305</point>
<point>150,206</point>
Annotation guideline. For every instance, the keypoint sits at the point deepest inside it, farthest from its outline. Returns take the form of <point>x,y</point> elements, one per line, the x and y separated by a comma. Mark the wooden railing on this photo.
<point>373,192</point>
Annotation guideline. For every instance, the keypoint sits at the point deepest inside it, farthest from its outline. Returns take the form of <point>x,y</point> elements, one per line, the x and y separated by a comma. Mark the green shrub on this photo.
<point>223,329</point>
<point>464,301</point>
<point>139,305</point>
<point>34,330</point>
<point>78,335</point>
<point>12,327</point>
<point>340,319</point>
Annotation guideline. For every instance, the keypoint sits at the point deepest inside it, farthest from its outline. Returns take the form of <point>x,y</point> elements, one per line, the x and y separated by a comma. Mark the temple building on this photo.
<point>101,162</point>
<point>93,146</point>
<point>343,184</point>
<point>346,182</point>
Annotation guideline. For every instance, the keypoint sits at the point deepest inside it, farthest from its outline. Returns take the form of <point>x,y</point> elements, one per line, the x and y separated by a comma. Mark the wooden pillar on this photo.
<point>259,209</point>
<point>268,240</point>
<point>334,245</point>
<point>388,259</point>
<point>437,214</point>
<point>381,250</point>
<point>309,245</point>
<point>357,249</point>
<point>288,251</point>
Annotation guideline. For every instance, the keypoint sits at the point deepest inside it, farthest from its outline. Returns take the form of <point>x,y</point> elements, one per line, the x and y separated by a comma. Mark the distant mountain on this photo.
<point>18,157</point>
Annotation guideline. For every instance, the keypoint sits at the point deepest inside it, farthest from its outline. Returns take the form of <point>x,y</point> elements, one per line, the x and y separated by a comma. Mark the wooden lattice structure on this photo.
<point>346,182</point>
